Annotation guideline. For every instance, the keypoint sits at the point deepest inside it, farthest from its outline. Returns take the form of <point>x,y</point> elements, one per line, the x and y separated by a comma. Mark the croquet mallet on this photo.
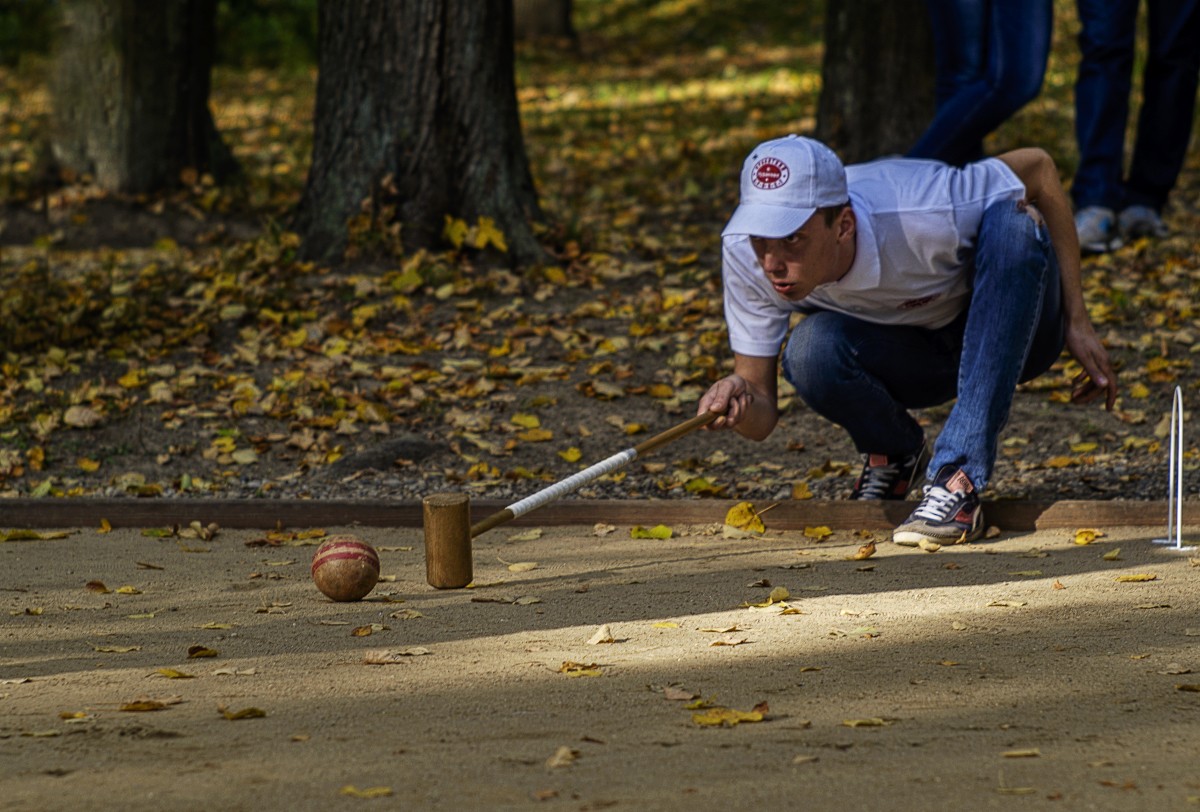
<point>447,516</point>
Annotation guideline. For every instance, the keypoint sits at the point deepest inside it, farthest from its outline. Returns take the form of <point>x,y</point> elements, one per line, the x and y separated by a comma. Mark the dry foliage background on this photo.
<point>175,346</point>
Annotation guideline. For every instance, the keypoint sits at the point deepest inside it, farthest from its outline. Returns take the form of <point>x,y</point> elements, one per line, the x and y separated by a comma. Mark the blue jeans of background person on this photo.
<point>867,376</point>
<point>990,58</point>
<point>1169,83</point>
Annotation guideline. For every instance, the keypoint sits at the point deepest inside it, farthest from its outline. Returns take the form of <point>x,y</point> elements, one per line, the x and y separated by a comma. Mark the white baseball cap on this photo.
<point>783,182</point>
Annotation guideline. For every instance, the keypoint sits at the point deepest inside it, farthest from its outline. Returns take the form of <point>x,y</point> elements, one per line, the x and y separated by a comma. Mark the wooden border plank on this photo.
<point>1011,515</point>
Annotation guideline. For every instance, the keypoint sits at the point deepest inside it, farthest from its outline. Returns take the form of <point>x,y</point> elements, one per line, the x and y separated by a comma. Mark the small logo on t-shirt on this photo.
<point>913,304</point>
<point>769,173</point>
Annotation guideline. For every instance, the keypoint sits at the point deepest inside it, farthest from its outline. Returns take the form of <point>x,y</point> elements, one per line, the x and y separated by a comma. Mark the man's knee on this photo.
<point>817,350</point>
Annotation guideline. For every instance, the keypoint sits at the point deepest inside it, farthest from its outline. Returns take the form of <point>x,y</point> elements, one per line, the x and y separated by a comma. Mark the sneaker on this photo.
<point>949,514</point>
<point>886,477</point>
<point>1141,221</point>
<point>1097,227</point>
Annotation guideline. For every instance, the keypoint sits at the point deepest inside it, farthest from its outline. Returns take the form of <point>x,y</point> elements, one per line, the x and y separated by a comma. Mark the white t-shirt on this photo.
<point>917,222</point>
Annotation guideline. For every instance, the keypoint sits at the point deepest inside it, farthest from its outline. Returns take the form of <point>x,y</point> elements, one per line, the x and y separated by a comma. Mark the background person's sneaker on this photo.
<point>949,514</point>
<point>886,477</point>
<point>1141,221</point>
<point>1097,229</point>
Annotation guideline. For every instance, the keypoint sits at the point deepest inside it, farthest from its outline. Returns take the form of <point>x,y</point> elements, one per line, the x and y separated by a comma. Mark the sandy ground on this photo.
<point>1012,674</point>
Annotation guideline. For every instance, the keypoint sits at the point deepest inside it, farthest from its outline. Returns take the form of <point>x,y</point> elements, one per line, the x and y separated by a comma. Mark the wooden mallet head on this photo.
<point>447,540</point>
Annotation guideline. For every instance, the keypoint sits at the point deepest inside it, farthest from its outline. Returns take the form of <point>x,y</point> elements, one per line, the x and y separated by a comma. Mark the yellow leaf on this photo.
<point>536,435</point>
<point>143,705</point>
<point>864,552</point>
<point>1032,752</point>
<point>88,465</point>
<point>201,651</point>
<point>1137,578</point>
<point>369,792</point>
<point>105,526</point>
<point>244,713</point>
<point>872,721</point>
<point>819,533</point>
<point>725,717</point>
<point>743,517</point>
<point>634,428</point>
<point>1087,535</point>
<point>659,531</point>
<point>1139,390</point>
<point>171,673</point>
<point>486,234</point>
<point>778,595</point>
<point>1083,448</point>
<point>526,421</point>
<point>573,669</point>
<point>128,590</point>
<point>572,454</point>
<point>1061,462</point>
<point>666,624</point>
<point>1112,555</point>
<point>522,566</point>
<point>455,231</point>
<point>801,490</point>
<point>563,757</point>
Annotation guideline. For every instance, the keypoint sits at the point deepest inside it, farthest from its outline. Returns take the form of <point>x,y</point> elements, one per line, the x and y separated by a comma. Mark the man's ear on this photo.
<point>847,224</point>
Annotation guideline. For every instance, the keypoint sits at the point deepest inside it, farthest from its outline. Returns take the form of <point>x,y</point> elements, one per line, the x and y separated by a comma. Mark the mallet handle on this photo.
<point>596,471</point>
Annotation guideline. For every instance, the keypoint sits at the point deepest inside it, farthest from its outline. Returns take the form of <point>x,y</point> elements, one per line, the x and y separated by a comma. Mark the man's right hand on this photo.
<point>732,396</point>
<point>746,398</point>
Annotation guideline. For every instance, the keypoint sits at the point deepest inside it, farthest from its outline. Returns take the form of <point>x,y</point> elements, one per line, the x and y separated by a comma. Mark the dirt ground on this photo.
<point>1017,673</point>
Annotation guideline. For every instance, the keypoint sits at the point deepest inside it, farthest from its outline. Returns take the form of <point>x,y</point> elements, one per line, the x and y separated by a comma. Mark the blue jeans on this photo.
<point>990,59</point>
<point>867,376</point>
<point>1106,43</point>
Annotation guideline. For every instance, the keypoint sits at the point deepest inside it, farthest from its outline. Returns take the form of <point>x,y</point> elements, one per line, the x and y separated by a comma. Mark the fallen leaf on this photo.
<point>116,649</point>
<point>819,533</point>
<point>244,713</point>
<point>201,651</point>
<point>928,546</point>
<point>1008,604</point>
<point>729,641</point>
<point>522,566</point>
<point>97,586</point>
<point>563,757</point>
<point>805,759</point>
<point>1032,752</point>
<point>864,552</point>
<point>1087,535</point>
<point>573,669</point>
<point>1191,687</point>
<point>1136,578</point>
<point>678,694</point>
<point>602,529</point>
<point>171,673</point>
<point>871,721</point>
<point>142,705</point>
<point>529,535</point>
<point>603,635</point>
<point>1058,585</point>
<point>370,792</point>
<point>660,531</point>
<point>742,517</point>
<point>1112,555</point>
<point>1175,669</point>
<point>725,717</point>
<point>406,614</point>
<point>393,656</point>
<point>1028,573</point>
<point>666,624</point>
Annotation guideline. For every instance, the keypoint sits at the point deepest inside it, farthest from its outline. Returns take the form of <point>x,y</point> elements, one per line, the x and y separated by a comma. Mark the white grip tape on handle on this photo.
<point>572,482</point>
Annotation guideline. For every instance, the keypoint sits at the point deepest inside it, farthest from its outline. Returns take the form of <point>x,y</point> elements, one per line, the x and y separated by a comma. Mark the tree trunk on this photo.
<point>130,88</point>
<point>416,113</point>
<point>542,19</point>
<point>877,77</point>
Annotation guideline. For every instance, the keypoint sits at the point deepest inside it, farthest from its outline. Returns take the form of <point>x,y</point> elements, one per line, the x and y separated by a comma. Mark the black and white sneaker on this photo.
<point>949,514</point>
<point>885,477</point>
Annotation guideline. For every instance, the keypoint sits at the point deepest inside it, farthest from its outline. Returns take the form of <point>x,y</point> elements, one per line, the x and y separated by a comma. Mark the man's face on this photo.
<point>815,254</point>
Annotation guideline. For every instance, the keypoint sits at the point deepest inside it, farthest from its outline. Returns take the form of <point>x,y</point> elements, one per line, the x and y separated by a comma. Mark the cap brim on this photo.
<point>772,222</point>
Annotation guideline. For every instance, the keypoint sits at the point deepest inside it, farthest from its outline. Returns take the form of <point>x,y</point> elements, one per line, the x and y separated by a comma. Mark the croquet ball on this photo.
<point>345,568</point>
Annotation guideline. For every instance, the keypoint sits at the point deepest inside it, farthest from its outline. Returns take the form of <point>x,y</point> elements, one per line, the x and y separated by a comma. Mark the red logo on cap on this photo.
<point>769,173</point>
